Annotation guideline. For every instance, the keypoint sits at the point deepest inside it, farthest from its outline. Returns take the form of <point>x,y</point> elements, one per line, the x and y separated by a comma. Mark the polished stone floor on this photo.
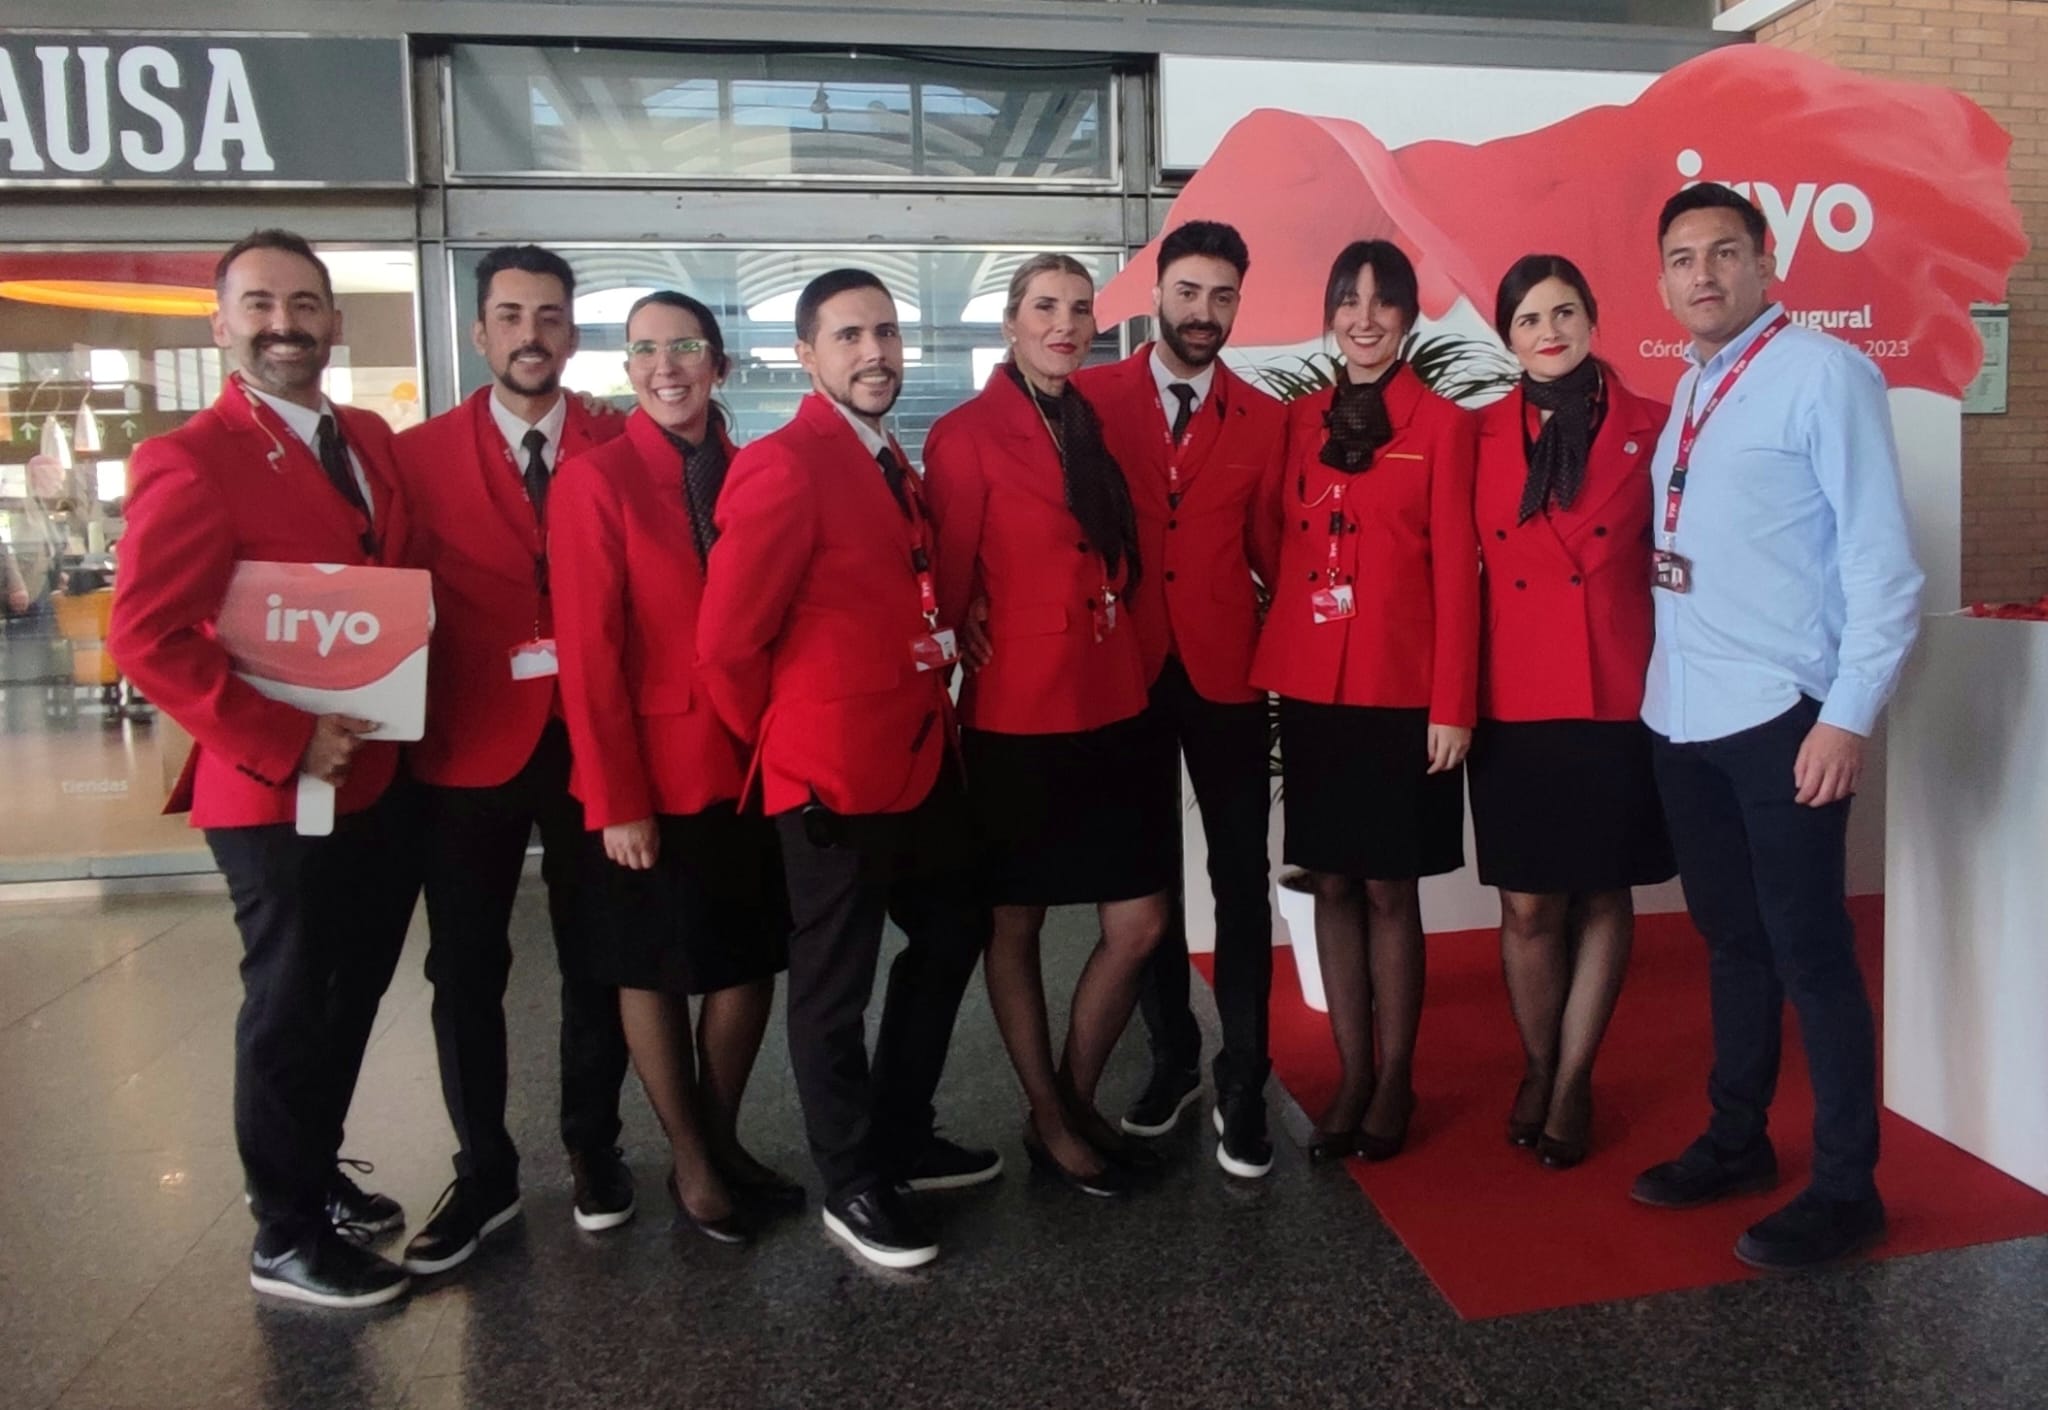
<point>123,1247</point>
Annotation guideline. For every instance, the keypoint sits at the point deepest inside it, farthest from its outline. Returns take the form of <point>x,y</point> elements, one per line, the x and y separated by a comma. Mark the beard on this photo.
<point>847,397</point>
<point>1174,336</point>
<point>284,377</point>
<point>508,378</point>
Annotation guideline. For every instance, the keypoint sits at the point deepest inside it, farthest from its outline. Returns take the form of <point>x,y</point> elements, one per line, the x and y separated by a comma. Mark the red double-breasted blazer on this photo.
<point>1196,597</point>
<point>234,484</point>
<point>475,531</point>
<point>998,497</point>
<point>1406,547</point>
<point>1568,610</point>
<point>643,736</point>
<point>805,634</point>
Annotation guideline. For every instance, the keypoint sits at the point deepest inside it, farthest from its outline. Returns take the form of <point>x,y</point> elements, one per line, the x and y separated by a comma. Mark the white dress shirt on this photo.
<point>514,430</point>
<point>304,422</point>
<point>1163,376</point>
<point>873,439</point>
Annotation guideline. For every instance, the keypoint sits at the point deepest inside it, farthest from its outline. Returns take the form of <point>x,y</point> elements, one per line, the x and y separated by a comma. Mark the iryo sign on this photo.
<point>1810,206</point>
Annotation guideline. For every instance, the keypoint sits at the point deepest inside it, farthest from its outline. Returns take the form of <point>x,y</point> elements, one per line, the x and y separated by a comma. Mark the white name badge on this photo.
<point>1332,604</point>
<point>934,650</point>
<point>534,660</point>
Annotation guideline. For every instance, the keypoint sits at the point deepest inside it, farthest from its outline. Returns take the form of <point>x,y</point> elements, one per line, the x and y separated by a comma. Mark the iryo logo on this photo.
<point>281,623</point>
<point>1839,215</point>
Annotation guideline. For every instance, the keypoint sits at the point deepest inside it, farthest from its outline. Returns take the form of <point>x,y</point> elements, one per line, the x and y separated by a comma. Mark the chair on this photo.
<point>84,620</point>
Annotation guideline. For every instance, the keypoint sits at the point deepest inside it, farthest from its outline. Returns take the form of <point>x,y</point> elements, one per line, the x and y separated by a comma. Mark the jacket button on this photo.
<point>1500,533</point>
<point>1081,547</point>
<point>1521,583</point>
<point>1169,575</point>
<point>1304,526</point>
<point>1351,528</point>
<point>1575,580</point>
<point>1173,523</point>
<point>1313,576</point>
<point>1599,531</point>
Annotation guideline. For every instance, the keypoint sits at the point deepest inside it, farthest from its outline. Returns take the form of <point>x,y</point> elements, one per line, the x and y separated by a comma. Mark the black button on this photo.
<point>1304,526</point>
<point>1082,547</point>
<point>1575,580</point>
<point>1520,583</point>
<point>1500,533</point>
<point>1169,575</point>
<point>1173,523</point>
<point>1600,531</point>
<point>1347,577</point>
<point>1351,528</point>
<point>1313,576</point>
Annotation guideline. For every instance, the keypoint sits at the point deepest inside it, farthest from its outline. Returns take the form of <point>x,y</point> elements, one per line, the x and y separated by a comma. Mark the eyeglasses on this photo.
<point>681,349</point>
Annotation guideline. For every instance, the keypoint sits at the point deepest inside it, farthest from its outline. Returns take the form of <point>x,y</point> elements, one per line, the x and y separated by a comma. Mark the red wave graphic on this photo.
<point>263,643</point>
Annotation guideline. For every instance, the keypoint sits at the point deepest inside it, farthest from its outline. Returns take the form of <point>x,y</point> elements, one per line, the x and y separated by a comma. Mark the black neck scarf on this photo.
<point>703,477</point>
<point>1096,492</point>
<point>1557,456</point>
<point>1357,422</point>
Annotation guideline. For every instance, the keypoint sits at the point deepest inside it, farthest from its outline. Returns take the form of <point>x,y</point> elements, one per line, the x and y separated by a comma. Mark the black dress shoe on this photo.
<point>466,1213</point>
<point>1810,1231</point>
<point>328,1270</point>
<point>732,1228</point>
<point>875,1224</point>
<point>1703,1173</point>
<point>1243,1148</point>
<point>1106,1183</point>
<point>360,1213</point>
<point>1165,1097</point>
<point>1533,1094</point>
<point>1375,1145</point>
<point>1326,1146</point>
<point>1565,1151</point>
<point>604,1189</point>
<point>948,1165</point>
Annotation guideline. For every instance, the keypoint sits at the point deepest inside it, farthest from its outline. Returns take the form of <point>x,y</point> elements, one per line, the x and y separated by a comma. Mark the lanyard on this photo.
<point>1175,452</point>
<point>1107,602</point>
<point>1689,431</point>
<point>540,559</point>
<point>920,547</point>
<point>1336,530</point>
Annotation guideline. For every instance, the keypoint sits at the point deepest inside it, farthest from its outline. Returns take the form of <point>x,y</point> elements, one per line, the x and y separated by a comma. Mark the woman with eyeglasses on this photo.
<point>689,889</point>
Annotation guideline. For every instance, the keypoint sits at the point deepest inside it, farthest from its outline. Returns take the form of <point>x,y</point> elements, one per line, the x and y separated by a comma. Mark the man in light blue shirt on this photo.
<point>1787,598</point>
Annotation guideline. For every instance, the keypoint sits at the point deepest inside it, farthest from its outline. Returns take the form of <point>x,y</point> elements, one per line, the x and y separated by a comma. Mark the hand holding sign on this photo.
<point>334,743</point>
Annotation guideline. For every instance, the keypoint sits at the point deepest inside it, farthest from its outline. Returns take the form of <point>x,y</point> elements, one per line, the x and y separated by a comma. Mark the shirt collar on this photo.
<point>873,440</point>
<point>1162,376</point>
<point>1735,348</point>
<point>514,428</point>
<point>302,421</point>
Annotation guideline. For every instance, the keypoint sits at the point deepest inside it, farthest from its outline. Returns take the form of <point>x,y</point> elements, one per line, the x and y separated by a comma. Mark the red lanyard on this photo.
<point>1174,452</point>
<point>1689,431</point>
<point>920,547</point>
<point>1336,530</point>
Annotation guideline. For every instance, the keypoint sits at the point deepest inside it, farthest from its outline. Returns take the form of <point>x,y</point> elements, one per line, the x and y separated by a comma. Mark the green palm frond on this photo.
<point>1456,368</point>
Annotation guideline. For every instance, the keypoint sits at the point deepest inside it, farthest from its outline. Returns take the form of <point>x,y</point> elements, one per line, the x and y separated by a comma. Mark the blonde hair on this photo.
<point>1031,269</point>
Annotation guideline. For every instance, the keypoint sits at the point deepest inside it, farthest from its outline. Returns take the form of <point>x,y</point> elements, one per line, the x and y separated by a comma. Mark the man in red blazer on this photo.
<point>1202,449</point>
<point>273,472</point>
<point>820,646</point>
<point>495,758</point>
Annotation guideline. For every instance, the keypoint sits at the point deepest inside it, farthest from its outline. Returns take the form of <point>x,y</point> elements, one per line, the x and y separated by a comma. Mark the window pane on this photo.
<point>1675,14</point>
<point>635,112</point>
<point>950,302</point>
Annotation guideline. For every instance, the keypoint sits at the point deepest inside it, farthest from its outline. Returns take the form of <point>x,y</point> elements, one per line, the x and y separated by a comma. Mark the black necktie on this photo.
<point>341,473</point>
<point>536,473</point>
<point>1185,395</point>
<point>892,476</point>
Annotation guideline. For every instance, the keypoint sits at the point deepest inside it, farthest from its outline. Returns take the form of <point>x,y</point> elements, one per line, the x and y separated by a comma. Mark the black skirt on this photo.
<point>1072,818</point>
<point>710,913</point>
<point>1357,795</point>
<point>1567,805</point>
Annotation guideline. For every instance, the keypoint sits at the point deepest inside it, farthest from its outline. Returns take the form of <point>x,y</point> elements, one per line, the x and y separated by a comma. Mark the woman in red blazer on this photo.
<point>687,887</point>
<point>1564,807</point>
<point>1372,645</point>
<point>1068,774</point>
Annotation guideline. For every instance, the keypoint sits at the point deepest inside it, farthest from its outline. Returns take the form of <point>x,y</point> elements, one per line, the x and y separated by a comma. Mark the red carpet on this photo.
<point>1499,1234</point>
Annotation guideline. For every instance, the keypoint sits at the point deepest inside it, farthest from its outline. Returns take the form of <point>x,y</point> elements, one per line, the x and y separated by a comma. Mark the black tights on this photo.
<point>695,1087</point>
<point>1564,957</point>
<point>1369,940</point>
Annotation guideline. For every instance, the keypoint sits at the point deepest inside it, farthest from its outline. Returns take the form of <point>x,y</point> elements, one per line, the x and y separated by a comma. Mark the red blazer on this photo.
<point>643,737</point>
<point>998,496</point>
<point>1197,597</point>
<point>1568,610</point>
<point>475,531</point>
<point>804,637</point>
<point>1408,551</point>
<point>201,499</point>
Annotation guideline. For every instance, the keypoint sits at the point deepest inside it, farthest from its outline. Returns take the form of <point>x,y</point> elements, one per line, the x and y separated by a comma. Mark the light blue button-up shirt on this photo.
<point>1803,579</point>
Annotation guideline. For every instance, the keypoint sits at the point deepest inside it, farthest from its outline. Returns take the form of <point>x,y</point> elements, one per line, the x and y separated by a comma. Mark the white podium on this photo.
<point>1966,892</point>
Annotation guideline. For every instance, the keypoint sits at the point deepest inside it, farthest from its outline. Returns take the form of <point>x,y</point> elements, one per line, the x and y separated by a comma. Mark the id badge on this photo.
<point>1670,571</point>
<point>934,650</point>
<point>534,660</point>
<point>1332,604</point>
<point>1105,618</point>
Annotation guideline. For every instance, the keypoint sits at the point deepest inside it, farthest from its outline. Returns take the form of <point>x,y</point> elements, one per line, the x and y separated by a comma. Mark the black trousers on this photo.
<point>1226,751</point>
<point>322,921</point>
<point>1764,878</point>
<point>866,1120</point>
<point>475,850</point>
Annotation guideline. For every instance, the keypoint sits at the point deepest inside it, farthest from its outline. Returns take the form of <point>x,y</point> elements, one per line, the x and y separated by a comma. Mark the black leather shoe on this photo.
<point>328,1270</point>
<point>1107,1183</point>
<point>1704,1174</point>
<point>1385,1146</point>
<point>359,1213</point>
<point>1810,1231</point>
<point>1525,1117</point>
<point>875,1225</point>
<point>465,1214</point>
<point>1165,1097</point>
<point>1574,1116</point>
<point>948,1165</point>
<point>1243,1148</point>
<point>733,1228</point>
<point>1326,1146</point>
<point>604,1189</point>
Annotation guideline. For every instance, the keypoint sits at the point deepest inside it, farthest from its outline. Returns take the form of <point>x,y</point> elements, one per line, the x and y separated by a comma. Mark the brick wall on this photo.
<point>1995,51</point>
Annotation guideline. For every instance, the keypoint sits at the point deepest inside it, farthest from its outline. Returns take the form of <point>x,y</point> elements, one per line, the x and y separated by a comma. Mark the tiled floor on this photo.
<point>123,1247</point>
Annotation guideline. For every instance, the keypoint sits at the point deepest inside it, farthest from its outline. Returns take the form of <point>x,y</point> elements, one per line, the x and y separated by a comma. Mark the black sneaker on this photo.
<point>356,1212</point>
<point>1705,1173</point>
<point>466,1214</point>
<point>604,1189</point>
<point>875,1225</point>
<point>1165,1097</point>
<point>947,1165</point>
<point>1242,1148</point>
<point>329,1270</point>
<point>1810,1231</point>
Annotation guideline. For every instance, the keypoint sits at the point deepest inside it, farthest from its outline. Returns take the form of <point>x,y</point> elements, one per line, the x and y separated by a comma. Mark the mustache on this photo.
<point>266,341</point>
<point>535,348</point>
<point>1198,325</point>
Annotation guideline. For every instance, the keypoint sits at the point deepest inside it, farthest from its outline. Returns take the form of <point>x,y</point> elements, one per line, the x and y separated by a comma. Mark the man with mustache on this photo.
<point>820,645</point>
<point>1787,599</point>
<point>273,472</point>
<point>1202,450</point>
<point>495,758</point>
